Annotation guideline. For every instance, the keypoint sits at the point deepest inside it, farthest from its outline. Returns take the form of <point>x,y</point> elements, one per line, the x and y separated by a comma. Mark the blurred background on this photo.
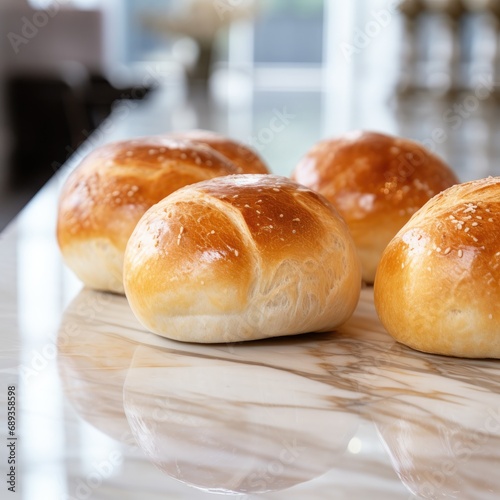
<point>276,74</point>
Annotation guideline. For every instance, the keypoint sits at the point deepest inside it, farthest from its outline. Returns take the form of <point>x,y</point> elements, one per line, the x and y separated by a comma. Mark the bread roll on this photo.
<point>104,198</point>
<point>437,288</point>
<point>240,154</point>
<point>376,182</point>
<point>241,258</point>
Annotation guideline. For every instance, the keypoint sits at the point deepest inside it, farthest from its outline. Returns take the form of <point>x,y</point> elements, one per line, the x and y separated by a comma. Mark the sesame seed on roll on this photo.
<point>107,194</point>
<point>240,258</point>
<point>377,182</point>
<point>437,287</point>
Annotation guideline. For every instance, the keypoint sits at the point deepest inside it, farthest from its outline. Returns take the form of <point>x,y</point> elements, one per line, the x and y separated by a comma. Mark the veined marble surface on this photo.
<point>349,414</point>
<point>107,411</point>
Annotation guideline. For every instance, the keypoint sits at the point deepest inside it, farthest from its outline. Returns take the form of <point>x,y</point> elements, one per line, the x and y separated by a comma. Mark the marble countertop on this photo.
<point>105,410</point>
<point>346,414</point>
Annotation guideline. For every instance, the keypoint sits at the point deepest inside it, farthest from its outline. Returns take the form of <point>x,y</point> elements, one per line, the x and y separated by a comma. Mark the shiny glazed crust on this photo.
<point>240,154</point>
<point>437,288</point>
<point>240,258</point>
<point>104,198</point>
<point>377,182</point>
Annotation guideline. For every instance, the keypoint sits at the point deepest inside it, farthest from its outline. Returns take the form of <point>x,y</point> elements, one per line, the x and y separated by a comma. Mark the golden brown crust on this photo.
<point>377,182</point>
<point>104,198</point>
<point>240,258</point>
<point>240,154</point>
<point>437,288</point>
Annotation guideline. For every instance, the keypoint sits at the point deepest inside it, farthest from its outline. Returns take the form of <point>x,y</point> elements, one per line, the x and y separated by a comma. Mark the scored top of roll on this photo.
<point>239,258</point>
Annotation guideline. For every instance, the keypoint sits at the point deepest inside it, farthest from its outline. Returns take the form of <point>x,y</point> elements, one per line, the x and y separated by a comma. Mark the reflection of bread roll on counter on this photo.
<point>241,258</point>
<point>110,190</point>
<point>442,434</point>
<point>227,427</point>
<point>249,418</point>
<point>438,284</point>
<point>376,182</point>
<point>93,359</point>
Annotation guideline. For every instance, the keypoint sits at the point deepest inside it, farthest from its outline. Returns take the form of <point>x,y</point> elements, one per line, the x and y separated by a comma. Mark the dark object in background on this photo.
<point>50,116</point>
